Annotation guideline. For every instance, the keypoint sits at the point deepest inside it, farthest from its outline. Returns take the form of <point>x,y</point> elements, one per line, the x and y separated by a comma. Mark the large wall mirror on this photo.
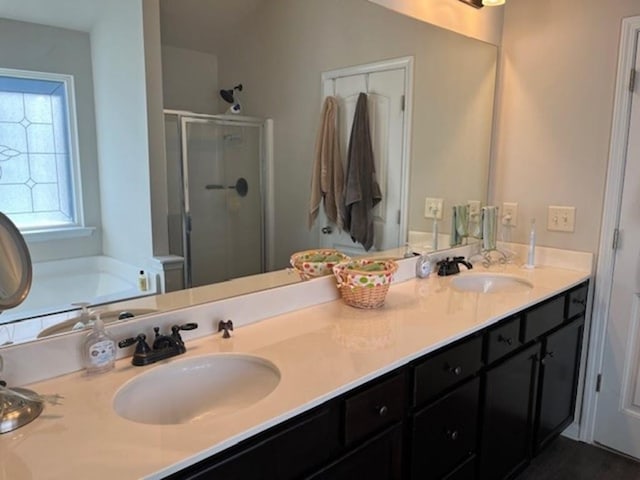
<point>278,50</point>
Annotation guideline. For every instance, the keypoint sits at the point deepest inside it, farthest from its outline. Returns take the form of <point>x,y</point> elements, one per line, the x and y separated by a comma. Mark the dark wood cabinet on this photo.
<point>558,381</point>
<point>507,417</point>
<point>479,408</point>
<point>446,368</point>
<point>379,458</point>
<point>285,452</point>
<point>529,397</point>
<point>444,434</point>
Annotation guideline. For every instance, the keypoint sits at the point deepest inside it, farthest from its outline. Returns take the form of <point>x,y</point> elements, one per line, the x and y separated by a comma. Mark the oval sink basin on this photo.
<point>191,388</point>
<point>491,283</point>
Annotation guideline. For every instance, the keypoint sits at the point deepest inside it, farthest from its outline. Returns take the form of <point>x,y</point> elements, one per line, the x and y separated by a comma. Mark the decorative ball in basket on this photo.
<point>316,263</point>
<point>364,283</point>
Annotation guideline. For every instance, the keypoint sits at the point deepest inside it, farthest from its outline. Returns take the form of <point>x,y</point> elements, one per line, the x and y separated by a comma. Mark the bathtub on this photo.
<point>58,284</point>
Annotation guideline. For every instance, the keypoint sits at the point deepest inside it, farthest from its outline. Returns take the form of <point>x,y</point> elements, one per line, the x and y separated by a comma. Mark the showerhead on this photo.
<point>229,95</point>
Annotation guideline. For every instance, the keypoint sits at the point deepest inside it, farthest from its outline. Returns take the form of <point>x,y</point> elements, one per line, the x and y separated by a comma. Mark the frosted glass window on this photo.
<point>36,161</point>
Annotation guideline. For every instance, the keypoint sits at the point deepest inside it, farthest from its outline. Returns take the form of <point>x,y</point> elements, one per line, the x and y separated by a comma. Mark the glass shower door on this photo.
<point>223,200</point>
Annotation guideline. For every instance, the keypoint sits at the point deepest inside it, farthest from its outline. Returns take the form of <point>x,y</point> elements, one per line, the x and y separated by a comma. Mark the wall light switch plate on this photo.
<point>474,209</point>
<point>433,208</point>
<point>561,219</point>
<point>509,214</point>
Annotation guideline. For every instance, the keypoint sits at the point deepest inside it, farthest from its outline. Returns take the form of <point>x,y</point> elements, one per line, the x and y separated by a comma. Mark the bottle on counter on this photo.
<point>143,282</point>
<point>99,348</point>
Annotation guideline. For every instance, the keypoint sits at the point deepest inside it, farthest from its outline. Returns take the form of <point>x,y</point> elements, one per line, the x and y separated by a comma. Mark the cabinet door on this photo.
<point>376,459</point>
<point>299,447</point>
<point>509,396</point>
<point>444,434</point>
<point>558,381</point>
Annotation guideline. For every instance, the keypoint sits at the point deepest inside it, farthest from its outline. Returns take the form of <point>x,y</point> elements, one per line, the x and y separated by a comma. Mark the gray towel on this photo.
<point>362,191</point>
<point>327,181</point>
<point>454,237</point>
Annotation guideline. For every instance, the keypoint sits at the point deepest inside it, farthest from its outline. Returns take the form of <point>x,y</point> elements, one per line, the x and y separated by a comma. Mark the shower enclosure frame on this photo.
<point>265,126</point>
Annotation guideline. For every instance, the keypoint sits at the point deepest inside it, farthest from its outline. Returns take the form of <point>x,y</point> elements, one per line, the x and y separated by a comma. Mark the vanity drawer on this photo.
<point>503,339</point>
<point>374,408</point>
<point>445,434</point>
<point>447,368</point>
<point>540,320</point>
<point>577,303</point>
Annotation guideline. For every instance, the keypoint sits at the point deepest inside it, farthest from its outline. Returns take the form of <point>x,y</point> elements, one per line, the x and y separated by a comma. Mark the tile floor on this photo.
<point>566,459</point>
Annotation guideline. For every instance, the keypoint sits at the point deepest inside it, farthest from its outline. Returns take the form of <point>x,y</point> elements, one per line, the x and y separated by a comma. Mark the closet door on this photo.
<point>386,92</point>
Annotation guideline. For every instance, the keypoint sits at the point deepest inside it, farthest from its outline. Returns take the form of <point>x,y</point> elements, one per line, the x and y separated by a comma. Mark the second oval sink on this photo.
<point>187,389</point>
<point>491,283</point>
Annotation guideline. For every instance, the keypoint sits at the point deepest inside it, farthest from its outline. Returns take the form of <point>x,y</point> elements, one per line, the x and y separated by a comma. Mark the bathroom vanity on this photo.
<point>441,382</point>
<point>479,408</point>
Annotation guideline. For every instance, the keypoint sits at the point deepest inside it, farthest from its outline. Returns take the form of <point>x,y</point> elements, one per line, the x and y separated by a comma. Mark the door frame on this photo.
<point>610,221</point>
<point>406,64</point>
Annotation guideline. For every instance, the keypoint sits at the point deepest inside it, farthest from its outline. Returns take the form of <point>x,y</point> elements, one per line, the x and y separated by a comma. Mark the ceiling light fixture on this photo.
<point>483,3</point>
<point>473,3</point>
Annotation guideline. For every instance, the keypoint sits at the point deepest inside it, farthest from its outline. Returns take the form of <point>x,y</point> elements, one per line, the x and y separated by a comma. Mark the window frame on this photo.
<point>77,227</point>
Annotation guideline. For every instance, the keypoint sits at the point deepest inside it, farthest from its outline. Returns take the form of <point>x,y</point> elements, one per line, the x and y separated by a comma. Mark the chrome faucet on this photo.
<point>164,346</point>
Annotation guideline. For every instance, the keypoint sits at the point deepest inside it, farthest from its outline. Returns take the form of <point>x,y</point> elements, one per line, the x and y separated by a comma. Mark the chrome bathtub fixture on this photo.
<point>164,346</point>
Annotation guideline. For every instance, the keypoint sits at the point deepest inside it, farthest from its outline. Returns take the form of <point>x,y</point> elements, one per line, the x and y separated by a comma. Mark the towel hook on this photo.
<point>366,84</point>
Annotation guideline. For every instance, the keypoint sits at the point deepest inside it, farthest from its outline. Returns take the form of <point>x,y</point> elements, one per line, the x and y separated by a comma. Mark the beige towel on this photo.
<point>327,180</point>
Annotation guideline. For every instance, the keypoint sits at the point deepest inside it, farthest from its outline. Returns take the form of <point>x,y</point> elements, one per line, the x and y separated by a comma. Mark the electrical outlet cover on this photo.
<point>509,214</point>
<point>474,208</point>
<point>433,208</point>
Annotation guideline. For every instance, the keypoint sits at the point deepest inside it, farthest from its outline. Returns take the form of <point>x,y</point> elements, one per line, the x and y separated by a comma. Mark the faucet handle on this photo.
<point>141,347</point>
<point>185,326</point>
<point>175,329</point>
<point>225,327</point>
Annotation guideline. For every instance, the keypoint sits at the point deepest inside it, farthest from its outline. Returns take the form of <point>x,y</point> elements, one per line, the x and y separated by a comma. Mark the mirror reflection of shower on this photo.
<point>232,97</point>
<point>217,194</point>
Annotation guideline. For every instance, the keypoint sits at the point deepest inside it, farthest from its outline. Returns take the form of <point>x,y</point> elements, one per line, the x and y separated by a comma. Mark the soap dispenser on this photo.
<point>98,348</point>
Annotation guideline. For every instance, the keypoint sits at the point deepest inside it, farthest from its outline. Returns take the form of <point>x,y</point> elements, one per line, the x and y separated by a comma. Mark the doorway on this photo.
<point>612,398</point>
<point>388,87</point>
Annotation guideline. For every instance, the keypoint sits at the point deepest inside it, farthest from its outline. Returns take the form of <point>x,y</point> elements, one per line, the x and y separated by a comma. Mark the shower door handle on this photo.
<point>327,230</point>
<point>241,187</point>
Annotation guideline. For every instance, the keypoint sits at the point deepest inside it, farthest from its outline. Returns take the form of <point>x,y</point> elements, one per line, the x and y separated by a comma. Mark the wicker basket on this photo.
<point>361,288</point>
<point>303,264</point>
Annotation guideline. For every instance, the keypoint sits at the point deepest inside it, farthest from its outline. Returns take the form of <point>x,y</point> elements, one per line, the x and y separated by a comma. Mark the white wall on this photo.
<point>554,118</point>
<point>190,80</point>
<point>155,123</point>
<point>121,120</point>
<point>28,46</point>
<point>280,64</point>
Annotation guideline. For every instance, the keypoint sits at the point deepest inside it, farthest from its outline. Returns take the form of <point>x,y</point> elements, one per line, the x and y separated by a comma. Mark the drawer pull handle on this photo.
<point>507,340</point>
<point>452,435</point>
<point>383,410</point>
<point>578,301</point>
<point>543,361</point>
<point>457,371</point>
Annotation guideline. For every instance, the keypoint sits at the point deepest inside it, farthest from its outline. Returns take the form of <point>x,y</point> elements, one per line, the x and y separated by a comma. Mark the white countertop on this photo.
<point>321,351</point>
